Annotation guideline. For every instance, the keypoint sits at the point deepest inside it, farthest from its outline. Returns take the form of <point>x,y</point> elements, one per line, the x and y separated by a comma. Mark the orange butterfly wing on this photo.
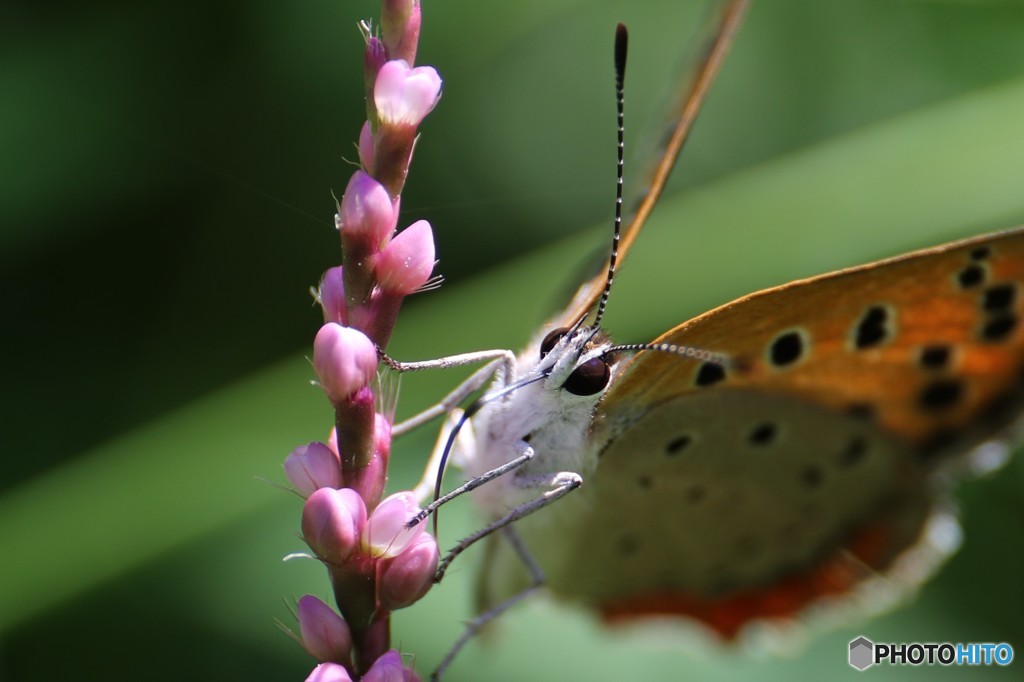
<point>924,344</point>
<point>807,465</point>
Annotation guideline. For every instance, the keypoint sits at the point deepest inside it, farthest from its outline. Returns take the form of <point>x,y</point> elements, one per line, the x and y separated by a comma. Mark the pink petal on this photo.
<point>404,96</point>
<point>405,264</point>
<point>385,534</point>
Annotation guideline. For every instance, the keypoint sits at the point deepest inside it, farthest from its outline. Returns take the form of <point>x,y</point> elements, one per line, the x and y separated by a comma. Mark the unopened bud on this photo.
<point>313,466</point>
<point>332,523</point>
<point>325,634</point>
<point>408,576</point>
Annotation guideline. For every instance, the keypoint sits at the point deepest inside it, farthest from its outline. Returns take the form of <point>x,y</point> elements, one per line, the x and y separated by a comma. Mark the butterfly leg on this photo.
<point>474,483</point>
<point>474,626</point>
<point>500,359</point>
<point>562,483</point>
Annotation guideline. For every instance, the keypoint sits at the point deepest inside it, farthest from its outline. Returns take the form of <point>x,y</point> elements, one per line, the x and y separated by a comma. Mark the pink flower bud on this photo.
<point>405,264</point>
<point>400,27</point>
<point>366,148</point>
<point>344,360</point>
<point>388,668</point>
<point>332,522</point>
<point>329,672</point>
<point>366,211</point>
<point>325,634</point>
<point>385,534</point>
<point>332,296</point>
<point>408,576</point>
<point>313,466</point>
<point>403,95</point>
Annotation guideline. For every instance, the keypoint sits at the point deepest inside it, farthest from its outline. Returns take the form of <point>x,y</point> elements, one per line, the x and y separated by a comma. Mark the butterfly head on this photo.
<point>576,359</point>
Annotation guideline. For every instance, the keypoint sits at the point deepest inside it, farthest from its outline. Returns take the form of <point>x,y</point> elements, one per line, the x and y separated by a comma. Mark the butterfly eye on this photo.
<point>552,339</point>
<point>589,378</point>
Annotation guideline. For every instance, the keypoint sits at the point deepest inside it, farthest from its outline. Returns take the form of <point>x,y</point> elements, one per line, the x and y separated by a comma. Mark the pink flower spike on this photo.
<point>385,535</point>
<point>404,96</point>
<point>329,672</point>
<point>332,523</point>
<point>313,466</point>
<point>325,634</point>
<point>388,668</point>
<point>366,148</point>
<point>344,360</point>
<point>332,296</point>
<point>366,211</point>
<point>408,576</point>
<point>406,262</point>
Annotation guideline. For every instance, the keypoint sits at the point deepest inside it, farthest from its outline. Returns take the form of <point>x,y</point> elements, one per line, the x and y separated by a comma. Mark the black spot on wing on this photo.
<point>971,276</point>
<point>786,349</point>
<point>941,395</point>
<point>709,373</point>
<point>873,328</point>
<point>935,357</point>
<point>998,328</point>
<point>677,445</point>
<point>999,298</point>
<point>762,434</point>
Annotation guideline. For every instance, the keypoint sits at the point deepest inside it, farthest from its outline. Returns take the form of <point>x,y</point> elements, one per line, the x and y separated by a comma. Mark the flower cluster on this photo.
<point>375,563</point>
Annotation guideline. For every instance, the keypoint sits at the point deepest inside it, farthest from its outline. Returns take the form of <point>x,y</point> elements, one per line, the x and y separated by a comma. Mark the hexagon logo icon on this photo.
<point>862,653</point>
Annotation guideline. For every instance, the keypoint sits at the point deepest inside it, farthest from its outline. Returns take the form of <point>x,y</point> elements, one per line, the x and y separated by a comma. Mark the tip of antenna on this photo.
<point>621,43</point>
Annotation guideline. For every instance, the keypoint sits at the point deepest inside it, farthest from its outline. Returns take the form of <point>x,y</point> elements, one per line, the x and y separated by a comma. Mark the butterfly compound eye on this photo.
<point>589,378</point>
<point>552,339</point>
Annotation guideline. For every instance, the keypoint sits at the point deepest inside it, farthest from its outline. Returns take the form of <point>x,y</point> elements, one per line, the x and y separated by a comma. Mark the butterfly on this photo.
<point>774,452</point>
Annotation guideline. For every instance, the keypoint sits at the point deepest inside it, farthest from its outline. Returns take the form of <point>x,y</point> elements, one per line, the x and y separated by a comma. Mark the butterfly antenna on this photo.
<point>621,45</point>
<point>702,354</point>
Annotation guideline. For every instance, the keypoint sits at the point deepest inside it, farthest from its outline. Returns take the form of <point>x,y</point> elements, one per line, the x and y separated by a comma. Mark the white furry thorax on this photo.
<point>542,415</point>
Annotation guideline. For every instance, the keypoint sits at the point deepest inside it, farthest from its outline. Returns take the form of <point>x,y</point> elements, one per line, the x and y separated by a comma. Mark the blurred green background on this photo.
<point>166,202</point>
